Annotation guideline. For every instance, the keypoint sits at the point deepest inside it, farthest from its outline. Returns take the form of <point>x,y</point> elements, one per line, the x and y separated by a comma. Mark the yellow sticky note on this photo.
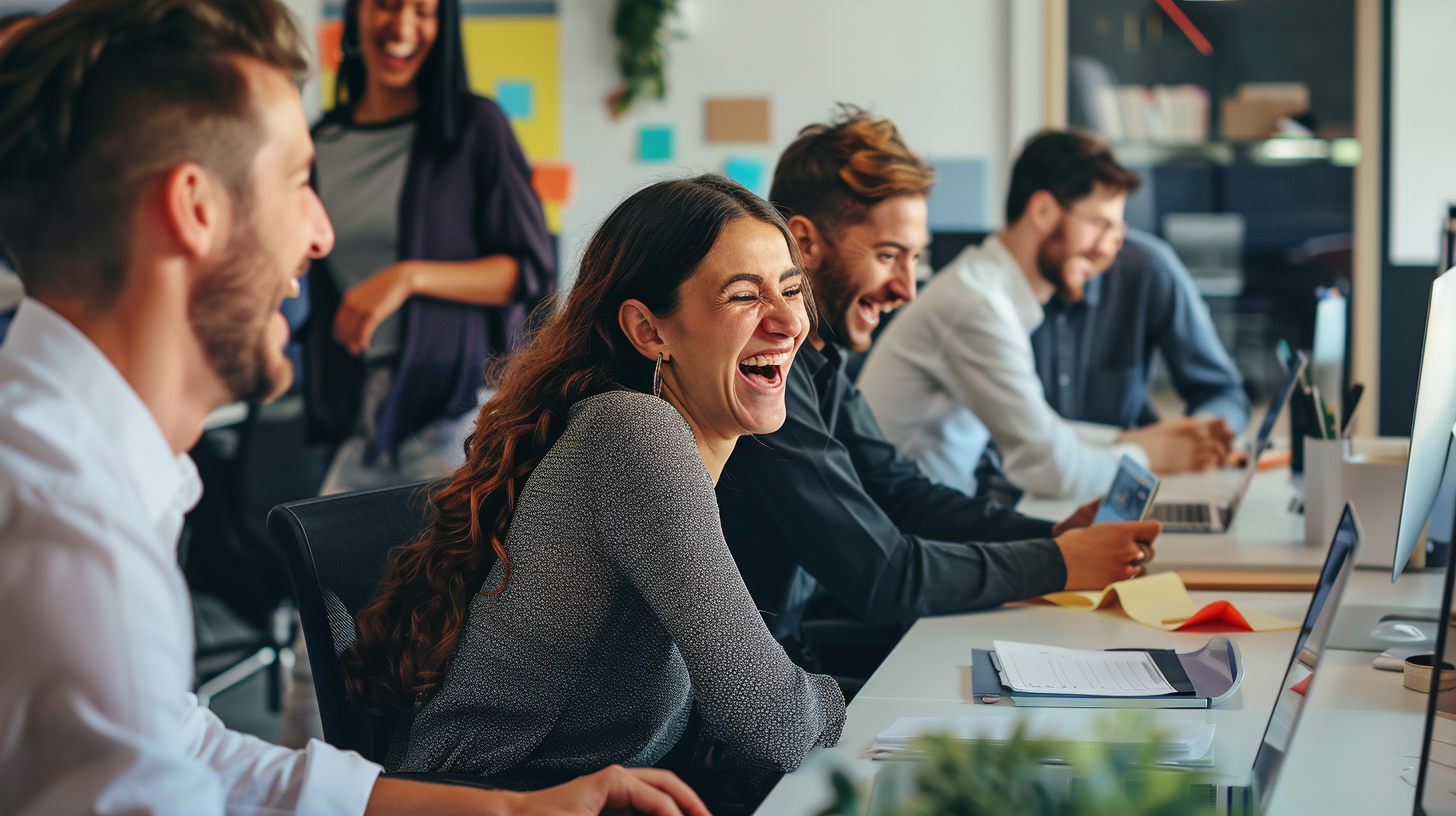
<point>1162,602</point>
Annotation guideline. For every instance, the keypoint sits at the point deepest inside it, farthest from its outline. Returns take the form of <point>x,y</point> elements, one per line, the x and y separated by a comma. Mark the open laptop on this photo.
<point>1216,516</point>
<point>1245,796</point>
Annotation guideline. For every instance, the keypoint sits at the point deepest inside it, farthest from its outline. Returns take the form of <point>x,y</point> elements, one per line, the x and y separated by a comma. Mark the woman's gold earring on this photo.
<point>657,377</point>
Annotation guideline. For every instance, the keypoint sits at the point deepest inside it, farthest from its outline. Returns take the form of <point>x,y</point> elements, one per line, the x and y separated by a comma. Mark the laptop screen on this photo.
<point>1294,689</point>
<point>1436,784</point>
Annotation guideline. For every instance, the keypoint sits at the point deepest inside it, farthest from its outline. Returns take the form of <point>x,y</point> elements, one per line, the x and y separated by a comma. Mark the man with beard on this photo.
<point>154,194</point>
<point>846,513</point>
<point>956,371</point>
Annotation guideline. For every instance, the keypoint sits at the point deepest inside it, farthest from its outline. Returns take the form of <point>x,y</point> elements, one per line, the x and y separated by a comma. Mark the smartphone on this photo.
<point>1131,496</point>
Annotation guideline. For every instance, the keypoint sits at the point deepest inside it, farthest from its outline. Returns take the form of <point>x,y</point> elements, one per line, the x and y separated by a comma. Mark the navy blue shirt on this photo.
<point>1095,356</point>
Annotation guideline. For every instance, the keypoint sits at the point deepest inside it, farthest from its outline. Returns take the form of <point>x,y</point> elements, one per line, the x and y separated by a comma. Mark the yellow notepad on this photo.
<point>1162,602</point>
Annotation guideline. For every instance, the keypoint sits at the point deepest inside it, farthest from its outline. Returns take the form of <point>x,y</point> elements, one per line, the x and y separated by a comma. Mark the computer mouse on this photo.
<point>1403,631</point>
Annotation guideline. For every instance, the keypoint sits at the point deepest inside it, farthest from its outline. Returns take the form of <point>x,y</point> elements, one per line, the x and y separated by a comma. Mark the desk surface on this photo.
<point>1360,724</point>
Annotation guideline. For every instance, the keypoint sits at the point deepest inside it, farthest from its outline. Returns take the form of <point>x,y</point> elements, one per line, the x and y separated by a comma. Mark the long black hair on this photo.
<point>442,84</point>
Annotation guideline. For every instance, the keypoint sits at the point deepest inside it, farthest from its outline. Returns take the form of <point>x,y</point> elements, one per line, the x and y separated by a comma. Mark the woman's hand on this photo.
<point>369,302</point>
<point>611,790</point>
<point>1082,518</point>
<point>1100,555</point>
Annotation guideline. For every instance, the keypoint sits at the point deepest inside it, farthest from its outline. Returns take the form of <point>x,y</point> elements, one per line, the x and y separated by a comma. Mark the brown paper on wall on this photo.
<point>736,120</point>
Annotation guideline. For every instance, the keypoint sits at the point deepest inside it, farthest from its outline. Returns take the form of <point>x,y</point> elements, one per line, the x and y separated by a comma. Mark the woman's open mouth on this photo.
<point>765,371</point>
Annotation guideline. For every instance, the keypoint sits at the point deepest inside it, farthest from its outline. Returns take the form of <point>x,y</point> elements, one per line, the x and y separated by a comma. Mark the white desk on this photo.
<point>1265,534</point>
<point>1360,724</point>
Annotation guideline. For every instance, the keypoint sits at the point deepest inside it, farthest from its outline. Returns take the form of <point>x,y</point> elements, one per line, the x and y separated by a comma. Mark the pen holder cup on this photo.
<point>1368,473</point>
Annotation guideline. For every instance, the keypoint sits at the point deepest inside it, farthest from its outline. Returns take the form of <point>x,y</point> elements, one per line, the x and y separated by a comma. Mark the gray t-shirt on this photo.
<point>360,171</point>
<point>624,607</point>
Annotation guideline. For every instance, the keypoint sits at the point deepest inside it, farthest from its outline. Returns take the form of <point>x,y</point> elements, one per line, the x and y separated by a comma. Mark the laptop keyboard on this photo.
<point>1181,513</point>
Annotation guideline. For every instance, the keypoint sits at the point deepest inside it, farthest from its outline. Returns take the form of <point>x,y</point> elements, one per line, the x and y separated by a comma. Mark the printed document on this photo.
<point>1035,669</point>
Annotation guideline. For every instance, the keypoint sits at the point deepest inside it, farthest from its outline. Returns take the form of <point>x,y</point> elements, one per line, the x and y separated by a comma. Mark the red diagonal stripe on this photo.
<point>1186,26</point>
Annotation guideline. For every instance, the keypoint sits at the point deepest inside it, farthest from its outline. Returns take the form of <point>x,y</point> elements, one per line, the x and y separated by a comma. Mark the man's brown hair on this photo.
<point>832,174</point>
<point>1068,164</point>
<point>100,97</point>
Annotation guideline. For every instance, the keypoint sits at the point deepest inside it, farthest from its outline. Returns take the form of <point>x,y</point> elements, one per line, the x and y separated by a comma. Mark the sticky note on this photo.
<point>736,120</point>
<point>746,170</point>
<point>330,44</point>
<point>654,143</point>
<point>554,182</point>
<point>515,97</point>
<point>958,200</point>
<point>1162,602</point>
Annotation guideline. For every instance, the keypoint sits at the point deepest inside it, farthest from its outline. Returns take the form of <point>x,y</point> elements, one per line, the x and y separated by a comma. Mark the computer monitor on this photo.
<point>1435,415</point>
<point>1436,773</point>
<point>1294,688</point>
<point>1327,356</point>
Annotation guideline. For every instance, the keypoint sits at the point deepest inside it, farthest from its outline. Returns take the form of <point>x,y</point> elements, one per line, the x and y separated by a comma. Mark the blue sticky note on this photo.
<point>746,170</point>
<point>958,199</point>
<point>654,143</point>
<point>515,97</point>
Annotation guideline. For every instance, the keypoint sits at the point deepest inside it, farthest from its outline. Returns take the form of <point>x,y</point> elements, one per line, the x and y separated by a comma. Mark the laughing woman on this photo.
<point>572,603</point>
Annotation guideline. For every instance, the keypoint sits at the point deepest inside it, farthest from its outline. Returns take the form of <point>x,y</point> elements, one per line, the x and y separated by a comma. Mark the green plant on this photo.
<point>639,27</point>
<point>1006,779</point>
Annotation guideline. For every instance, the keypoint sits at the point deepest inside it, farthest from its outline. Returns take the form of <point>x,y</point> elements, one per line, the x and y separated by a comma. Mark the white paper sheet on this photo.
<point>1187,742</point>
<point>1038,669</point>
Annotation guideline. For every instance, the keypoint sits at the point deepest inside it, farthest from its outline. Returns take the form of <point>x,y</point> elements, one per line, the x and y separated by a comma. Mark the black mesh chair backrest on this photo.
<point>336,548</point>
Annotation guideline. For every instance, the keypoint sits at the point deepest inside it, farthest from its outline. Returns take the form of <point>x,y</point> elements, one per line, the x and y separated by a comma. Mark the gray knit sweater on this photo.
<point>623,608</point>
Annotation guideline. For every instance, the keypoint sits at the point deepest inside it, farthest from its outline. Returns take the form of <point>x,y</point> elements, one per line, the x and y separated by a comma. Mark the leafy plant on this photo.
<point>640,30</point>
<point>960,778</point>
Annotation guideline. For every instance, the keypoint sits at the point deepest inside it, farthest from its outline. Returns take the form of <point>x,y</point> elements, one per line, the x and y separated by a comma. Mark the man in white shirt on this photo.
<point>956,370</point>
<point>154,193</point>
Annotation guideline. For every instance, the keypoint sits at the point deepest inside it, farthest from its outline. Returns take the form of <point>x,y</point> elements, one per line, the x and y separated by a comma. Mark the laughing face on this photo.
<point>741,317</point>
<point>395,37</point>
<point>868,268</point>
<point>1084,242</point>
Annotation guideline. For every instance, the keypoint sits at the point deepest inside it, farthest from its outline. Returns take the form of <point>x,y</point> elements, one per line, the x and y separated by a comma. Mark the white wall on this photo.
<point>939,68</point>
<point>1423,128</point>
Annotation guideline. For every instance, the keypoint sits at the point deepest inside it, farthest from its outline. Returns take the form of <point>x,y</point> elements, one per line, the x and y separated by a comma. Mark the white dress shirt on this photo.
<point>96,710</point>
<point>955,369</point>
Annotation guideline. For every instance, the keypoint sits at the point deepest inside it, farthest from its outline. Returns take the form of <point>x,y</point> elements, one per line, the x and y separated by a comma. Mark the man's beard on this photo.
<point>1051,256</point>
<point>230,311</point>
<point>835,294</point>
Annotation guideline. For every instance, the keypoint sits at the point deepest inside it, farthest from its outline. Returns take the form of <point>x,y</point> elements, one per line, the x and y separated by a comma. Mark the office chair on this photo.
<point>336,548</point>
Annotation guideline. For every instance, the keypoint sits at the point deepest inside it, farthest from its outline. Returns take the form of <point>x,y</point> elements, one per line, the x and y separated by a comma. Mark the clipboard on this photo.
<point>1200,679</point>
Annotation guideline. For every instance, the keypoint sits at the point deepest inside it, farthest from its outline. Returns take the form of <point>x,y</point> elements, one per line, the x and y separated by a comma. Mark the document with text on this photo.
<point>1028,667</point>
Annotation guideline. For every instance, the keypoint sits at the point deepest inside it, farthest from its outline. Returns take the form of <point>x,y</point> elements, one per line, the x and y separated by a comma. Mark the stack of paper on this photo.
<point>1189,742</point>
<point>1035,669</point>
<point>1162,602</point>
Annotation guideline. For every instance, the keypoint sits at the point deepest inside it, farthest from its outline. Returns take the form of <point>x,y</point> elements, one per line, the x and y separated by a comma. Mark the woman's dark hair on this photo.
<point>442,84</point>
<point>646,249</point>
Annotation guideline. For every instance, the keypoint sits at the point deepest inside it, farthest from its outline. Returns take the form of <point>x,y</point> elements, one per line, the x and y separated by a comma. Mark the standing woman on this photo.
<point>441,248</point>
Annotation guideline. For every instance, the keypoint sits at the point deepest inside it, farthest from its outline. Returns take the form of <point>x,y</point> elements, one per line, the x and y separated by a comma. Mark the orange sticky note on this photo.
<point>330,45</point>
<point>1161,601</point>
<point>555,182</point>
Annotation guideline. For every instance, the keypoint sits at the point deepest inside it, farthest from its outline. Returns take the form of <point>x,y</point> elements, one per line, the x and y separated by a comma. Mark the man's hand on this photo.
<point>1081,518</point>
<point>368,303</point>
<point>1183,444</point>
<point>1100,555</point>
<point>611,790</point>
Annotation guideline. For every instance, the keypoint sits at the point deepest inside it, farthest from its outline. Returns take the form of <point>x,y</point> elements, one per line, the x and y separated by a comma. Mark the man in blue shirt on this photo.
<point>1095,355</point>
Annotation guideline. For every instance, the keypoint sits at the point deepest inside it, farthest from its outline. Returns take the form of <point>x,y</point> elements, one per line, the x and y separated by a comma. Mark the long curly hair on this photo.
<point>645,249</point>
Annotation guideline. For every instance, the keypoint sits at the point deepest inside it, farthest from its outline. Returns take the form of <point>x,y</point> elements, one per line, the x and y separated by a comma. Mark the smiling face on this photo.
<point>868,268</point>
<point>280,226</point>
<point>740,319</point>
<point>1084,242</point>
<point>395,37</point>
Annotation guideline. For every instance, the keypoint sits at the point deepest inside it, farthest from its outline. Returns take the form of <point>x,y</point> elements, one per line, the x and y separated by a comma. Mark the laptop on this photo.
<point>1248,796</point>
<point>1216,516</point>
